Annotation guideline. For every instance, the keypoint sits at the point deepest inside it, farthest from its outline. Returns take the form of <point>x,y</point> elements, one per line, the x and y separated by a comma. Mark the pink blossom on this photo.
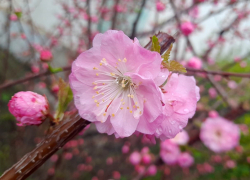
<point>194,12</point>
<point>81,167</point>
<point>185,160</point>
<point>169,152</point>
<point>195,63</point>
<point>180,99</point>
<point>213,114</point>
<point>109,161</point>
<point>181,138</point>
<point>35,69</point>
<point>68,155</point>
<point>45,66</point>
<point>187,28</point>
<point>160,6</point>
<point>54,158</point>
<point>212,92</point>
<point>140,169</point>
<point>230,164</point>
<point>51,171</point>
<point>29,108</point>
<point>152,170</point>
<point>13,17</point>
<point>217,78</point>
<point>243,64</point>
<point>135,158</point>
<point>94,19</point>
<point>219,134</point>
<point>145,150</point>
<point>125,149</point>
<point>120,9</point>
<point>42,85</point>
<point>46,55</point>
<point>237,59</point>
<point>232,84</point>
<point>113,85</point>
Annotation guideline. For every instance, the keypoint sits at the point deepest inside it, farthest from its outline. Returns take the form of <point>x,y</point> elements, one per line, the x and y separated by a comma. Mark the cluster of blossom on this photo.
<point>170,151</point>
<point>143,162</point>
<point>219,134</point>
<point>120,86</point>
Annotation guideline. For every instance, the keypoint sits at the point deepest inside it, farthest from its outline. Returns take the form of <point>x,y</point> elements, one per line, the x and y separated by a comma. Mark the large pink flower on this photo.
<point>180,96</point>
<point>113,85</point>
<point>219,134</point>
<point>29,108</point>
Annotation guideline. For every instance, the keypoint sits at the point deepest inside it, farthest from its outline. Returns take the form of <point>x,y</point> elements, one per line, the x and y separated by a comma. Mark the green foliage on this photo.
<point>18,14</point>
<point>166,55</point>
<point>158,176</point>
<point>54,70</point>
<point>174,66</point>
<point>65,96</point>
<point>155,45</point>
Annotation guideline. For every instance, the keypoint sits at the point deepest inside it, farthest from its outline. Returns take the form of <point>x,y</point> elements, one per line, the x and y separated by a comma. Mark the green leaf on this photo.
<point>166,55</point>
<point>18,14</point>
<point>65,96</point>
<point>174,66</point>
<point>54,70</point>
<point>155,44</point>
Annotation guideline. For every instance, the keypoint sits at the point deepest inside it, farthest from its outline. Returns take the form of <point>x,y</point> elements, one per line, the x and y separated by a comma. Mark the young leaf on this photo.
<point>54,70</point>
<point>155,45</point>
<point>174,66</point>
<point>65,96</point>
<point>18,14</point>
<point>166,55</point>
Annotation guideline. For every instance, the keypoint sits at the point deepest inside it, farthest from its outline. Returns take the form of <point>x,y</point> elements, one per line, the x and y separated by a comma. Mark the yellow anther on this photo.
<point>113,115</point>
<point>104,114</point>
<point>121,108</point>
<point>123,85</point>
<point>112,74</point>
<point>97,74</point>
<point>96,101</point>
<point>95,68</point>
<point>95,87</point>
<point>97,104</point>
<point>128,95</point>
<point>137,107</point>
<point>93,96</point>
<point>130,111</point>
<point>124,60</point>
<point>140,112</point>
<point>104,60</point>
<point>103,83</point>
<point>94,83</point>
<point>134,106</point>
<point>127,107</point>
<point>144,101</point>
<point>123,103</point>
<point>100,64</point>
<point>132,96</point>
<point>97,92</point>
<point>136,103</point>
<point>102,93</point>
<point>121,99</point>
<point>119,60</point>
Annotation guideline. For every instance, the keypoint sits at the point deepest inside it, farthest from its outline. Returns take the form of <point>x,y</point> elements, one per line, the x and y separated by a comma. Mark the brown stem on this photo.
<point>71,125</point>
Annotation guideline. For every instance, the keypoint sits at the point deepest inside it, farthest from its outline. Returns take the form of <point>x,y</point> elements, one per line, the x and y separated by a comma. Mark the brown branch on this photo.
<point>115,15</point>
<point>224,74</point>
<point>31,77</point>
<point>69,128</point>
<point>89,24</point>
<point>133,34</point>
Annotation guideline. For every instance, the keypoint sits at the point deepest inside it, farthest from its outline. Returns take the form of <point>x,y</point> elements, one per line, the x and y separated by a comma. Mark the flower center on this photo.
<point>114,91</point>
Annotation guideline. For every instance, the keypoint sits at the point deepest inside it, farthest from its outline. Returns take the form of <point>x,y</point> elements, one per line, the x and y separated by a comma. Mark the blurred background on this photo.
<point>211,35</point>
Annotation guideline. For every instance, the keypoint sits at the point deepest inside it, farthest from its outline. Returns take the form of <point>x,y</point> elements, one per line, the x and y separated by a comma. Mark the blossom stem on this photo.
<point>165,82</point>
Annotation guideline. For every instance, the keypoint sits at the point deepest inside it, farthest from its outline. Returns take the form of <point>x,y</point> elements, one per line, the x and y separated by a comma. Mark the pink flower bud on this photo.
<point>213,114</point>
<point>55,88</point>
<point>13,17</point>
<point>116,175</point>
<point>68,156</point>
<point>187,28</point>
<point>230,164</point>
<point>46,55</point>
<point>194,63</point>
<point>51,171</point>
<point>185,160</point>
<point>212,93</point>
<point>135,158</point>
<point>160,6</point>
<point>54,158</point>
<point>35,69</point>
<point>232,84</point>
<point>152,170</point>
<point>146,159</point>
<point>29,108</point>
<point>109,161</point>
<point>125,149</point>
